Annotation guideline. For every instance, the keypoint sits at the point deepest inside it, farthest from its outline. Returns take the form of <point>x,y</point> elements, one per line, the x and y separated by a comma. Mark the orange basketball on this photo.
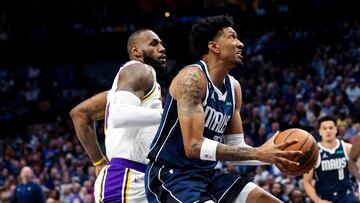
<point>306,143</point>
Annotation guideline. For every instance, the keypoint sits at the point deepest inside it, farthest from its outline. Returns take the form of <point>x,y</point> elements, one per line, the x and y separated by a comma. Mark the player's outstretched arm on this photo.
<point>234,134</point>
<point>83,116</point>
<point>353,157</point>
<point>189,89</point>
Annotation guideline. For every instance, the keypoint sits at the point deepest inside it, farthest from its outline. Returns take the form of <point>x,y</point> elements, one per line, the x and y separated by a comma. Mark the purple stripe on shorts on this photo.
<point>128,164</point>
<point>115,178</point>
<point>113,185</point>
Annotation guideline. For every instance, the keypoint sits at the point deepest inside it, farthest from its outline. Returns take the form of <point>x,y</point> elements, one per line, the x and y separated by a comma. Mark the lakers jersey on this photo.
<point>131,143</point>
<point>167,147</point>
<point>331,171</point>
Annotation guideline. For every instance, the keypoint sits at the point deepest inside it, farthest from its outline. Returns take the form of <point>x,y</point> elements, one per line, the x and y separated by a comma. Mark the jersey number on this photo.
<point>341,174</point>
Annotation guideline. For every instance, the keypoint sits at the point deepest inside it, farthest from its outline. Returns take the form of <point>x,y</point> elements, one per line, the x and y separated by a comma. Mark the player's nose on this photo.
<point>162,49</point>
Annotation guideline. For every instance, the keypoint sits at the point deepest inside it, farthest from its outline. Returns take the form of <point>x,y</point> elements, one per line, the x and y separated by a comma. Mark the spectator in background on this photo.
<point>27,191</point>
<point>296,196</point>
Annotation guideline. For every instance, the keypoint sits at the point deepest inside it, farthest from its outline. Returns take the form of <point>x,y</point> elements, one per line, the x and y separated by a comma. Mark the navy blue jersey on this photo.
<point>167,147</point>
<point>331,173</point>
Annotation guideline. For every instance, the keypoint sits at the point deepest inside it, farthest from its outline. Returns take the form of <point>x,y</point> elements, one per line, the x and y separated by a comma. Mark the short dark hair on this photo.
<point>134,36</point>
<point>205,31</point>
<point>326,118</point>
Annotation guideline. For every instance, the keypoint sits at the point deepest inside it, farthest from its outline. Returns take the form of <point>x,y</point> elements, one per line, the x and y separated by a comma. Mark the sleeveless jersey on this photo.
<point>167,147</point>
<point>131,143</point>
<point>331,171</point>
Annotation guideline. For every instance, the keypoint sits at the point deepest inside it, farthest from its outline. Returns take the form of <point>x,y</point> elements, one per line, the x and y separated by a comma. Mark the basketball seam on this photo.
<point>312,159</point>
<point>299,148</point>
<point>287,136</point>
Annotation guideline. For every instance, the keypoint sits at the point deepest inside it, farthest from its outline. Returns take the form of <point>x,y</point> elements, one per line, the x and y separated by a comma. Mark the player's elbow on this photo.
<point>75,113</point>
<point>190,154</point>
<point>78,115</point>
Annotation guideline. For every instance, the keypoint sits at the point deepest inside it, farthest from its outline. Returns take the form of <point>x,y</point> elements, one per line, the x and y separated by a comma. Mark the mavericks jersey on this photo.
<point>331,171</point>
<point>130,143</point>
<point>167,147</point>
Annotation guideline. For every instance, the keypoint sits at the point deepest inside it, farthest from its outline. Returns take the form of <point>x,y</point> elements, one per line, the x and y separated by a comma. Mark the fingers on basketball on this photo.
<point>305,143</point>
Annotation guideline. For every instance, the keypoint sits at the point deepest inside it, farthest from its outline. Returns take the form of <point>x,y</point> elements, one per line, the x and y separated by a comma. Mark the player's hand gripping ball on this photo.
<point>306,143</point>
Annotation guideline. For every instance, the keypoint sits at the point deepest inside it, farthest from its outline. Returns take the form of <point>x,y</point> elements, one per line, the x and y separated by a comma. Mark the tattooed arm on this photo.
<point>83,116</point>
<point>189,89</point>
<point>353,157</point>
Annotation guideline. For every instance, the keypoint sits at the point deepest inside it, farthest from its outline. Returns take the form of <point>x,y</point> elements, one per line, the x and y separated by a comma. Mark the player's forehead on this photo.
<point>225,33</point>
<point>228,31</point>
<point>149,36</point>
<point>325,124</point>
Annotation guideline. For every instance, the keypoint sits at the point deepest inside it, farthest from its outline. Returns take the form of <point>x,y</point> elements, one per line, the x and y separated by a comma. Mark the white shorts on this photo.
<point>121,181</point>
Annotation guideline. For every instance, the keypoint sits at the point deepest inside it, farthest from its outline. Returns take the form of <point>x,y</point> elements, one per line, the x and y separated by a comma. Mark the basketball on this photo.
<point>306,143</point>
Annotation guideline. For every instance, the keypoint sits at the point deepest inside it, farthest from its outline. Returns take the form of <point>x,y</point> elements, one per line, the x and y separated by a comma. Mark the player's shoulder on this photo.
<point>189,77</point>
<point>191,72</point>
<point>191,69</point>
<point>137,68</point>
<point>137,71</point>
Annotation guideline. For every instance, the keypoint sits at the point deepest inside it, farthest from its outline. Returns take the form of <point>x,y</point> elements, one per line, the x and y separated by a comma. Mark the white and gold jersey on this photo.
<point>131,143</point>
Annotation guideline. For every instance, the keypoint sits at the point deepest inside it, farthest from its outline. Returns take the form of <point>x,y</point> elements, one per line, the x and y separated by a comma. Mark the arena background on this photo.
<point>302,61</point>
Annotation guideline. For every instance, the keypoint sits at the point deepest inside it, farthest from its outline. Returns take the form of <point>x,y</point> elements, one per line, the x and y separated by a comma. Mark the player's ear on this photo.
<point>213,47</point>
<point>135,51</point>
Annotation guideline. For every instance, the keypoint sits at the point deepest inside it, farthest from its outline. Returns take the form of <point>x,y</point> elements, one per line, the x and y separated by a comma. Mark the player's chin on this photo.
<point>239,62</point>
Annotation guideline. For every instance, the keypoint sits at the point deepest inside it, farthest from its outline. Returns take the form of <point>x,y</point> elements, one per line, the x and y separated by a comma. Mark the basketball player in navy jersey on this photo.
<point>133,111</point>
<point>203,104</point>
<point>332,177</point>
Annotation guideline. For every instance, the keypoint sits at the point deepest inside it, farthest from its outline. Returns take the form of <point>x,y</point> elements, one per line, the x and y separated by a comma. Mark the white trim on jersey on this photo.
<point>221,96</point>
<point>233,91</point>
<point>148,185</point>
<point>163,186</point>
<point>172,128</point>
<point>344,148</point>
<point>207,89</point>
<point>331,151</point>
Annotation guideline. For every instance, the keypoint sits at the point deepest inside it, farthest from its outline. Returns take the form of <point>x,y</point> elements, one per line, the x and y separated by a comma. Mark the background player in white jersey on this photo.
<point>332,178</point>
<point>132,114</point>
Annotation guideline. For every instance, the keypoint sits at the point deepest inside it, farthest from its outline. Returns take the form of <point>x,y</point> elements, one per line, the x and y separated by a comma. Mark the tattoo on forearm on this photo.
<point>225,152</point>
<point>189,94</point>
<point>195,147</point>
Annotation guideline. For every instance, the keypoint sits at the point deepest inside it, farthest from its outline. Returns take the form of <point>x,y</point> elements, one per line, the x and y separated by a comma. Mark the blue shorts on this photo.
<point>342,197</point>
<point>163,184</point>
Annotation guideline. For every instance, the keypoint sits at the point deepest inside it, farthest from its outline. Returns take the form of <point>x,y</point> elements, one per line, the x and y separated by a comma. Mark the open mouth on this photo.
<point>239,54</point>
<point>162,58</point>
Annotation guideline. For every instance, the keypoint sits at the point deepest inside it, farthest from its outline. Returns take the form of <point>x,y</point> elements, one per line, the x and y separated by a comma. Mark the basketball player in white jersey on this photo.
<point>133,112</point>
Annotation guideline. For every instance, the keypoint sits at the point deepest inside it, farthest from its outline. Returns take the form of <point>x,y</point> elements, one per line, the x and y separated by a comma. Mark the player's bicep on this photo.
<point>189,93</point>
<point>190,88</point>
<point>91,109</point>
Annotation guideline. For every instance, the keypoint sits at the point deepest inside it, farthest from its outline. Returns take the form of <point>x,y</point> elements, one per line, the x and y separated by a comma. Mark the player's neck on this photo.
<point>217,71</point>
<point>329,144</point>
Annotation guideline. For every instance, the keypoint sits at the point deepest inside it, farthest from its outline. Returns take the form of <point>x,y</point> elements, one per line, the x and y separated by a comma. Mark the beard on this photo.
<point>156,64</point>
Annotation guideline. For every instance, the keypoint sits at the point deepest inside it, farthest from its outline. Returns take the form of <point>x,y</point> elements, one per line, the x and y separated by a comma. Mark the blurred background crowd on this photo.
<point>302,61</point>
